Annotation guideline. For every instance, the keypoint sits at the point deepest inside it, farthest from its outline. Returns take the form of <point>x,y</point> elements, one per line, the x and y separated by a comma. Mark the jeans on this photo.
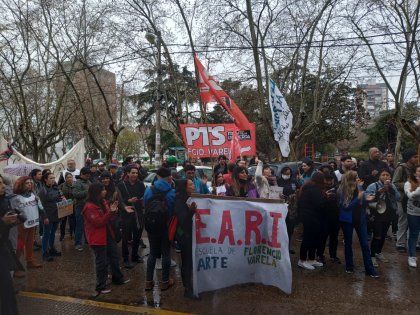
<point>159,245</point>
<point>78,231</point>
<point>380,228</point>
<point>413,233</point>
<point>130,231</point>
<point>361,231</point>
<point>105,255</point>
<point>48,237</point>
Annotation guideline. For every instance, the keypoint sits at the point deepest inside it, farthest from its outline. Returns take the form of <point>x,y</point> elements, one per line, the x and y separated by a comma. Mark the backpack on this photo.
<point>156,213</point>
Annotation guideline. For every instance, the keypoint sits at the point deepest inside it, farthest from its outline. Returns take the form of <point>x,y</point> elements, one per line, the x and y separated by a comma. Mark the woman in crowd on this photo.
<point>311,206</point>
<point>28,203</point>
<point>242,186</point>
<point>412,191</point>
<point>219,186</point>
<point>262,174</point>
<point>184,213</point>
<point>387,194</point>
<point>289,185</point>
<point>352,203</point>
<point>111,192</point>
<point>308,169</point>
<point>50,195</point>
<point>97,216</point>
<point>66,189</point>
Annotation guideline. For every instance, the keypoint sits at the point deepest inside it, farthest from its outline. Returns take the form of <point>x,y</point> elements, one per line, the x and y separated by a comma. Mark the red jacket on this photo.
<point>96,221</point>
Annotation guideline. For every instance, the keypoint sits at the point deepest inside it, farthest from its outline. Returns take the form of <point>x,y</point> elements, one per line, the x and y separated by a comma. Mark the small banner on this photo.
<point>240,241</point>
<point>212,140</point>
<point>65,208</point>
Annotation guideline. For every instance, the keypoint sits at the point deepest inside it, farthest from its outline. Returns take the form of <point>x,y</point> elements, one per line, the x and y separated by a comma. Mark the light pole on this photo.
<point>155,38</point>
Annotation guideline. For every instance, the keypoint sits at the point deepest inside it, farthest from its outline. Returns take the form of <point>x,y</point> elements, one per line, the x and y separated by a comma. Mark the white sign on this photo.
<point>282,118</point>
<point>274,192</point>
<point>240,241</point>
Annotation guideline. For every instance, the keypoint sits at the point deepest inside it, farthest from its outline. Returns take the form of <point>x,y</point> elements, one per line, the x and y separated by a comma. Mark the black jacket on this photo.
<point>4,228</point>
<point>182,211</point>
<point>127,191</point>
<point>311,201</point>
<point>49,197</point>
<point>366,169</point>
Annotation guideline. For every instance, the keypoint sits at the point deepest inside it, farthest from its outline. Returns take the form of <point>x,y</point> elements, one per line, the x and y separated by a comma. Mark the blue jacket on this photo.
<point>200,188</point>
<point>163,186</point>
<point>354,210</point>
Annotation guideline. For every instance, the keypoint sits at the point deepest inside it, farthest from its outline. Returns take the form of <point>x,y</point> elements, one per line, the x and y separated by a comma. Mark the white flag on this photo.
<point>282,118</point>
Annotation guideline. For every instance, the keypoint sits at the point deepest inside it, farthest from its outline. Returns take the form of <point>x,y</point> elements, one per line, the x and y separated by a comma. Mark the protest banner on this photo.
<point>65,208</point>
<point>212,140</point>
<point>238,240</point>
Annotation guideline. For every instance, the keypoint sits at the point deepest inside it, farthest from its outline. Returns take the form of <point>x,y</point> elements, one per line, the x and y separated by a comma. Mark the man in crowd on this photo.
<point>101,167</point>
<point>142,170</point>
<point>401,175</point>
<point>94,173</point>
<point>390,162</point>
<point>369,170</point>
<point>346,165</point>
<point>79,190</point>
<point>221,166</point>
<point>71,168</point>
<point>113,170</point>
<point>200,184</point>
<point>131,192</point>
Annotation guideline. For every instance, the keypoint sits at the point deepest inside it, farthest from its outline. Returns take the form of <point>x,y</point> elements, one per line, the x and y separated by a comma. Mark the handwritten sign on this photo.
<point>65,208</point>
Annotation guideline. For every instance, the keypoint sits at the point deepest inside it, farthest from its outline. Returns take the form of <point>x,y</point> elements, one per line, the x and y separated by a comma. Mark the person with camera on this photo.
<point>382,210</point>
<point>100,236</point>
<point>8,218</point>
<point>26,202</point>
<point>50,195</point>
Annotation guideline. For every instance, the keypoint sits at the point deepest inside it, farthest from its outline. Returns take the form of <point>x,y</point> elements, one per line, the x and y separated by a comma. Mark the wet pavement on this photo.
<point>327,290</point>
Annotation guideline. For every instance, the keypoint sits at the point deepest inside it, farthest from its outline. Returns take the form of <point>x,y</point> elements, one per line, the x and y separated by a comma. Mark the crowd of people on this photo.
<point>112,204</point>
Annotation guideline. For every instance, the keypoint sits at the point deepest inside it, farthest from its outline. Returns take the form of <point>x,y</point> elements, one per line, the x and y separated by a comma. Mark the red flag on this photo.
<point>210,91</point>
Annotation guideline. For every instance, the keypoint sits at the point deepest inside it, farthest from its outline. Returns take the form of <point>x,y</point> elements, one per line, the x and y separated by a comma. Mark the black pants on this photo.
<point>290,225</point>
<point>159,246</point>
<point>380,229</point>
<point>187,261</point>
<point>329,230</point>
<point>311,237</point>
<point>8,305</point>
<point>72,224</point>
<point>130,231</point>
<point>105,255</point>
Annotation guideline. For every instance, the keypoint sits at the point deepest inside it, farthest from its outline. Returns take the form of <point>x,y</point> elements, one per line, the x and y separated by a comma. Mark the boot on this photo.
<point>165,285</point>
<point>54,252</point>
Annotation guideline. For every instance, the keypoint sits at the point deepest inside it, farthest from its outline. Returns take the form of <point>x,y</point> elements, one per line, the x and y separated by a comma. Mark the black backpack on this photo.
<point>156,213</point>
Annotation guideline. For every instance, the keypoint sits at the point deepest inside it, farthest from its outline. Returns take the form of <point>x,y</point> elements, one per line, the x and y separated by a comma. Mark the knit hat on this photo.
<point>408,154</point>
<point>163,172</point>
<point>85,170</point>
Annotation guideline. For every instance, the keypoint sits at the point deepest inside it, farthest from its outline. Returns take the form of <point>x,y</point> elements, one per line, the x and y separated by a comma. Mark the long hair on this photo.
<point>347,186</point>
<point>413,179</point>
<point>19,186</point>
<point>94,194</point>
<point>215,178</point>
<point>316,180</point>
<point>236,184</point>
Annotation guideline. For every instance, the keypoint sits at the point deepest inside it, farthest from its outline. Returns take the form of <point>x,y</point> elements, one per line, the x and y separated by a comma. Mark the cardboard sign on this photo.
<point>65,208</point>
<point>212,140</point>
<point>274,192</point>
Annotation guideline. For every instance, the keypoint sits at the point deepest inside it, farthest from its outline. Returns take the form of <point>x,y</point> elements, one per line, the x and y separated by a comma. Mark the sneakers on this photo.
<point>158,265</point>
<point>350,271</point>
<point>373,275</point>
<point>165,285</point>
<point>401,249</point>
<point>105,291</point>
<point>79,248</point>
<point>55,253</point>
<point>381,257</point>
<point>374,262</point>
<point>123,281</point>
<point>412,262</point>
<point>173,263</point>
<point>305,265</point>
<point>149,285</point>
<point>315,263</point>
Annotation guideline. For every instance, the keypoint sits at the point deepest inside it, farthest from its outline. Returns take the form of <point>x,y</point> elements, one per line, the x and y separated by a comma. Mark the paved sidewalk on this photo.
<point>40,304</point>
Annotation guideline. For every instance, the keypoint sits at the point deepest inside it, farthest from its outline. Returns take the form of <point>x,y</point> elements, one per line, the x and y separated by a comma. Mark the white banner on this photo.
<point>282,118</point>
<point>240,241</point>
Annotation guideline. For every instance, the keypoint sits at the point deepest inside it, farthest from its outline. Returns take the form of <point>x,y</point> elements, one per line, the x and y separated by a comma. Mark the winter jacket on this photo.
<point>80,189</point>
<point>353,212</point>
<point>163,186</point>
<point>127,191</point>
<point>182,211</point>
<point>401,174</point>
<point>311,201</point>
<point>413,204</point>
<point>49,197</point>
<point>67,190</point>
<point>4,228</point>
<point>393,196</point>
<point>200,187</point>
<point>366,169</point>
<point>97,223</point>
<point>261,182</point>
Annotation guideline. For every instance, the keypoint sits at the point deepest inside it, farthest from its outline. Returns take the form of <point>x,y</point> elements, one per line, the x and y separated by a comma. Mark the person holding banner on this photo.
<point>241,185</point>
<point>50,195</point>
<point>27,203</point>
<point>184,213</point>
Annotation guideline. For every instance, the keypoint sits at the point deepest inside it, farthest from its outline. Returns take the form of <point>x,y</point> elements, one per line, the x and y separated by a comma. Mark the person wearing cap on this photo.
<point>160,244</point>
<point>101,167</point>
<point>172,163</point>
<point>401,175</point>
<point>131,192</point>
<point>79,190</point>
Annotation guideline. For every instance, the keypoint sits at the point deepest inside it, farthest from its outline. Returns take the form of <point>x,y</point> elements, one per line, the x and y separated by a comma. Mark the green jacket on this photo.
<point>80,189</point>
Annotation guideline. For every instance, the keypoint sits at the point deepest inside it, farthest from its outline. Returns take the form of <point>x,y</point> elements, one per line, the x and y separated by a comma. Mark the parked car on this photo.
<point>199,172</point>
<point>277,167</point>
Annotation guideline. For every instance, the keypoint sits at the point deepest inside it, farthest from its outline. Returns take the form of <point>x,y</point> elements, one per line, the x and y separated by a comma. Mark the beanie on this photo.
<point>408,154</point>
